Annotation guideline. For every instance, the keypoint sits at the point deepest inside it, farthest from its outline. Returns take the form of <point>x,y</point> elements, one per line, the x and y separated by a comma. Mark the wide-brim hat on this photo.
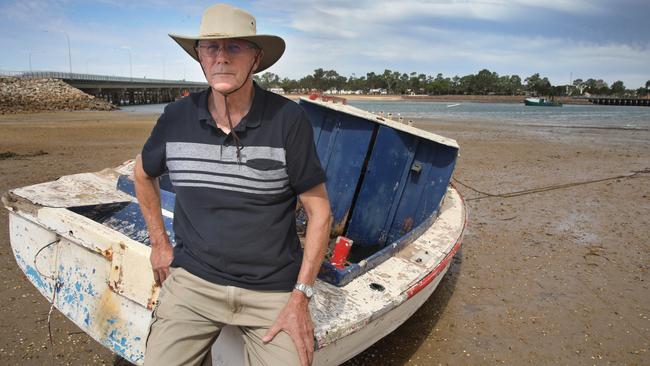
<point>223,21</point>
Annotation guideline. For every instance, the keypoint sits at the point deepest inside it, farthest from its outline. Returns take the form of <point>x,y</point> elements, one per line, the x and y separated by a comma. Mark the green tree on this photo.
<point>440,85</point>
<point>373,81</point>
<point>485,82</point>
<point>455,84</point>
<point>466,84</point>
<point>269,80</point>
<point>602,88</point>
<point>318,76</point>
<point>541,86</point>
<point>532,81</point>
<point>515,84</point>
<point>388,80</point>
<point>289,85</point>
<point>618,88</point>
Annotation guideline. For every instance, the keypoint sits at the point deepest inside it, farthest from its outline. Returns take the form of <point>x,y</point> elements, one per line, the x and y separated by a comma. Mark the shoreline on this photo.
<point>507,99</point>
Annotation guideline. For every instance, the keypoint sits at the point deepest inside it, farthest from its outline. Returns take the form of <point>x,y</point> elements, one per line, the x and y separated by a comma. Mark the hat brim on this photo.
<point>273,46</point>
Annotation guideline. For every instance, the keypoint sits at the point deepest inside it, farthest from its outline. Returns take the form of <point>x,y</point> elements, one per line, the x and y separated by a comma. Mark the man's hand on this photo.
<point>295,320</point>
<point>161,257</point>
<point>147,191</point>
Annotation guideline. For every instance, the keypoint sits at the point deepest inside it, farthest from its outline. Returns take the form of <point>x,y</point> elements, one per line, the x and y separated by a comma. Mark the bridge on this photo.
<point>644,102</point>
<point>117,89</point>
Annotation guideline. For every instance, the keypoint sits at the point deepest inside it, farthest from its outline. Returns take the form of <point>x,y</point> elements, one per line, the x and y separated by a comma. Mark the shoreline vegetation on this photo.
<point>24,95</point>
<point>18,95</point>
<point>485,82</point>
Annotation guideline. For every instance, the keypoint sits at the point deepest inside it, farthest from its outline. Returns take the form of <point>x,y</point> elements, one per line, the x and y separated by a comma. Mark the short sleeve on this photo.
<point>303,164</point>
<point>154,152</point>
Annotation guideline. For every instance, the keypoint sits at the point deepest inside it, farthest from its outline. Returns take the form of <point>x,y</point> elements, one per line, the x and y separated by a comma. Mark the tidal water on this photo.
<point>518,114</point>
<point>607,117</point>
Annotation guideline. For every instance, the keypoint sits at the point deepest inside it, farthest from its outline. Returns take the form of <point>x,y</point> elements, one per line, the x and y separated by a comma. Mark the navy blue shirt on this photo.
<point>234,218</point>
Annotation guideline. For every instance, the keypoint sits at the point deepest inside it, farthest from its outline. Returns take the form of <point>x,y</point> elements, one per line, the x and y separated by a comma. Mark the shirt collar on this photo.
<point>251,120</point>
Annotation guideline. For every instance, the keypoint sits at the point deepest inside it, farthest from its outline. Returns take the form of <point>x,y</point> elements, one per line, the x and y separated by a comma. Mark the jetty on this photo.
<point>622,101</point>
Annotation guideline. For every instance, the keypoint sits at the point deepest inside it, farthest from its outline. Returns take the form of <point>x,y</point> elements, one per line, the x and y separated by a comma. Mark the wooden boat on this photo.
<point>541,102</point>
<point>82,242</point>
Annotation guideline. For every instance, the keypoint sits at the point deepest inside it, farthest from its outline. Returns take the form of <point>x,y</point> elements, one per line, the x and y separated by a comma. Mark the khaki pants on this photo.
<point>191,312</point>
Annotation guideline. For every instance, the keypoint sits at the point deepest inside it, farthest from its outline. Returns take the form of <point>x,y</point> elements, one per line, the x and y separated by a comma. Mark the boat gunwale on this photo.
<point>357,112</point>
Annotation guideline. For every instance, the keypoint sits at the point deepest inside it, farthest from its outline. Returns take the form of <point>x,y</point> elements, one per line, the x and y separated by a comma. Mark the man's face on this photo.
<point>227,63</point>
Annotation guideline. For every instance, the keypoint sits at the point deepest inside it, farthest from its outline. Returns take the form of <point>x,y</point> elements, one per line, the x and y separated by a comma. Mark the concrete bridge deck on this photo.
<point>120,90</point>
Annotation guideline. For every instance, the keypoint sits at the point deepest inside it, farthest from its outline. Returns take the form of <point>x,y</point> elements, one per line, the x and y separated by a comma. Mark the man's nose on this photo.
<point>222,55</point>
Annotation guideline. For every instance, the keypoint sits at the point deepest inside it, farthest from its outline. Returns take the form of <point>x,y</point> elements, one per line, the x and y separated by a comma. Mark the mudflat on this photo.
<point>552,276</point>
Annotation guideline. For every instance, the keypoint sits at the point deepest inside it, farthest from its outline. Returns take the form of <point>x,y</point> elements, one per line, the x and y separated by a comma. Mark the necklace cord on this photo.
<point>235,137</point>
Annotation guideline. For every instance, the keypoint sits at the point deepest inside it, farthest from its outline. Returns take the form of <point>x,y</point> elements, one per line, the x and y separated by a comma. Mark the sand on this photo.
<point>557,277</point>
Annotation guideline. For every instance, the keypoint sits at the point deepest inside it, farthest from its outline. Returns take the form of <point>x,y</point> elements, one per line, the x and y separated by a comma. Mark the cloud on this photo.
<point>457,37</point>
<point>589,38</point>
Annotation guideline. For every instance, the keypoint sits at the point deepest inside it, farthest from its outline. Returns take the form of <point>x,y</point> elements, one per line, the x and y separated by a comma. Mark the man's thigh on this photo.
<point>260,310</point>
<point>280,351</point>
<point>180,332</point>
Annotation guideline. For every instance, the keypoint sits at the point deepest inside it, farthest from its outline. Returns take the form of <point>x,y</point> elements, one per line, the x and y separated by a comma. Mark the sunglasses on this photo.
<point>229,49</point>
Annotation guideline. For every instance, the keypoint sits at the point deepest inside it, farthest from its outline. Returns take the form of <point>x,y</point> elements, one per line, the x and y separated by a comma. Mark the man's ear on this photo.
<point>258,60</point>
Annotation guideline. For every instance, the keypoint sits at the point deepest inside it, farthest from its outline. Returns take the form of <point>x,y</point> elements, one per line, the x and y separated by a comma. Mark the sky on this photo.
<point>560,39</point>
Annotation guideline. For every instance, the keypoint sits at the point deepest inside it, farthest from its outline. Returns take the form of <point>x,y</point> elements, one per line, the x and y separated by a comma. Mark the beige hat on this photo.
<point>223,21</point>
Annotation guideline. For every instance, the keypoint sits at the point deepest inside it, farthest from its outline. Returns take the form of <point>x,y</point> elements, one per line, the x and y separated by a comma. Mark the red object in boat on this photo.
<point>341,251</point>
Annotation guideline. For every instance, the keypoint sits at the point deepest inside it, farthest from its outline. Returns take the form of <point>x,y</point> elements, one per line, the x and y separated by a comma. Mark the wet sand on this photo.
<point>556,277</point>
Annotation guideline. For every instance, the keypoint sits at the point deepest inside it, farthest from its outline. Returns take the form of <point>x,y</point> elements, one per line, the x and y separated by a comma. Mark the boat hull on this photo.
<point>102,282</point>
<point>75,279</point>
<point>536,102</point>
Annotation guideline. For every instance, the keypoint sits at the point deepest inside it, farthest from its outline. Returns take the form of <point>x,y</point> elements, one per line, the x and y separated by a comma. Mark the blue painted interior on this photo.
<point>130,222</point>
<point>382,186</point>
<point>400,184</point>
<point>342,143</point>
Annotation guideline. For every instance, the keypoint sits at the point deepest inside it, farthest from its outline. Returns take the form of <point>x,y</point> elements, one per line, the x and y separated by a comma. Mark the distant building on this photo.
<point>277,90</point>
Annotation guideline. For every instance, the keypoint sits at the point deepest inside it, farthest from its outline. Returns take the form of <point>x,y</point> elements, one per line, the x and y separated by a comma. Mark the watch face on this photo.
<point>308,291</point>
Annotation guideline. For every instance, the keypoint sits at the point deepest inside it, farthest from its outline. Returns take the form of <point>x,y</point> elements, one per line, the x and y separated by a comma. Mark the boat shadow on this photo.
<point>398,347</point>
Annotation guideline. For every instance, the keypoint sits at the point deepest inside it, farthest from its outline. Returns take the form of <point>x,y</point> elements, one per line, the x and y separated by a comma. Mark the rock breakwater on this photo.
<point>24,95</point>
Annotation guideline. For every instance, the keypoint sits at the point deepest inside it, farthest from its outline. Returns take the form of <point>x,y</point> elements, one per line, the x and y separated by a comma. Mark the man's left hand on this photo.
<point>295,320</point>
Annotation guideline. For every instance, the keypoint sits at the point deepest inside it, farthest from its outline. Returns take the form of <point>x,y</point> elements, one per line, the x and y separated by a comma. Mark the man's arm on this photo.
<point>147,192</point>
<point>295,319</point>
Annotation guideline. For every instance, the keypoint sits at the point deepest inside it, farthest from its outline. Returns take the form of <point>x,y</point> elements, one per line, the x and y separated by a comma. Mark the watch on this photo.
<point>305,289</point>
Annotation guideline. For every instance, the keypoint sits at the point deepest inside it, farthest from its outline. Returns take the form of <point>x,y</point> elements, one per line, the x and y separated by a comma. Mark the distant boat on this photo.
<point>541,102</point>
<point>453,105</point>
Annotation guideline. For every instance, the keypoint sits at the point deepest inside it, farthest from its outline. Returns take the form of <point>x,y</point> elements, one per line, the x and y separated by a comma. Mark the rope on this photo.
<point>57,286</point>
<point>633,174</point>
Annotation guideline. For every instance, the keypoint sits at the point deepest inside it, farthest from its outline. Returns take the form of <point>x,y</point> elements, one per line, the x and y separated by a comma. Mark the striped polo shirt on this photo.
<point>234,218</point>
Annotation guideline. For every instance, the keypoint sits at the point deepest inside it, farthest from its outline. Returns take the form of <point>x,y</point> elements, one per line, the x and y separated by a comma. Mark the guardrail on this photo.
<point>76,76</point>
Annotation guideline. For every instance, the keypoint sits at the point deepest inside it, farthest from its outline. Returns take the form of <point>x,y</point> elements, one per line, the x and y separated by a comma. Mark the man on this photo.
<point>238,156</point>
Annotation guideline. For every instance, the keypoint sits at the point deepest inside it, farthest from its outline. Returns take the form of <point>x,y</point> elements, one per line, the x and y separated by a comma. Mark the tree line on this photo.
<point>485,82</point>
